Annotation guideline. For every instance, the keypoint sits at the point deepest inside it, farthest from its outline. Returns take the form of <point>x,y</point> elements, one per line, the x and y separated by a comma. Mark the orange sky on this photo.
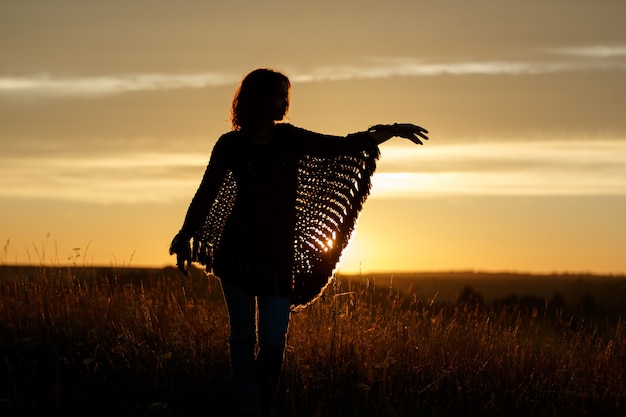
<point>108,113</point>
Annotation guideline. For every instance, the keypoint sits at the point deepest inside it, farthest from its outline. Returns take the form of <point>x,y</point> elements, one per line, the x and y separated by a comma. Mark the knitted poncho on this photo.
<point>278,217</point>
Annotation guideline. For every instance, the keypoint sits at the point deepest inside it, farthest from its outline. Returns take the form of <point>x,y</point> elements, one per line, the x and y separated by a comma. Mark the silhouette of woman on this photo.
<point>275,208</point>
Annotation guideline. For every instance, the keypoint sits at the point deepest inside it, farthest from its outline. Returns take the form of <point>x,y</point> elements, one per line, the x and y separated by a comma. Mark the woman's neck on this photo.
<point>261,134</point>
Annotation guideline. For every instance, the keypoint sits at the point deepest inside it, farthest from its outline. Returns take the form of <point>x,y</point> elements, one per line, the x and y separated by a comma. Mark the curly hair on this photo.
<point>254,93</point>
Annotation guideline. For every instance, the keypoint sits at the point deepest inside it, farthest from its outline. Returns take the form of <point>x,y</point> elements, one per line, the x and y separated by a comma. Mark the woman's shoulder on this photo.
<point>229,139</point>
<point>226,144</point>
<point>230,136</point>
<point>285,128</point>
<point>295,132</point>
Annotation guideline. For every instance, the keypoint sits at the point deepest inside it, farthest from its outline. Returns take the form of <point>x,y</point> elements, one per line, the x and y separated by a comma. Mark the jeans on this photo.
<point>256,371</point>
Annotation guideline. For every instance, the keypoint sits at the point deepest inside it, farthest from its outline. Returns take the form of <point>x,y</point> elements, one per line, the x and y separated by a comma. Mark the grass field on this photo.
<point>117,341</point>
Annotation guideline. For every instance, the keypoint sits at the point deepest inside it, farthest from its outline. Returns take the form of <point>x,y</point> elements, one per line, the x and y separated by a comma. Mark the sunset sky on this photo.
<point>109,111</point>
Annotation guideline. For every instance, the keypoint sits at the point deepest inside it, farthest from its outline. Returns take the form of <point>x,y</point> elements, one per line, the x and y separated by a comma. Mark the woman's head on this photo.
<point>262,97</point>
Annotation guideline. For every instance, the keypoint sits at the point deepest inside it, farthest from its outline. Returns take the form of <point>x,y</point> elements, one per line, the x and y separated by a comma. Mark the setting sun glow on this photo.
<point>105,134</point>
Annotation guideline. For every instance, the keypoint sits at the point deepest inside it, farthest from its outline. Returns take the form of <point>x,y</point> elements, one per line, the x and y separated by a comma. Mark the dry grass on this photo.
<point>81,341</point>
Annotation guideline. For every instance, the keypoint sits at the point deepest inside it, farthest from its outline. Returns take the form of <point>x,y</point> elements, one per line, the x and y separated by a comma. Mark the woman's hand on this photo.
<point>382,133</point>
<point>182,248</point>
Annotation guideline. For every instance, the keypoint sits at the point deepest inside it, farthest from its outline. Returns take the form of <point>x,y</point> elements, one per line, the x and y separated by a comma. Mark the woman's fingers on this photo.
<point>411,132</point>
<point>181,262</point>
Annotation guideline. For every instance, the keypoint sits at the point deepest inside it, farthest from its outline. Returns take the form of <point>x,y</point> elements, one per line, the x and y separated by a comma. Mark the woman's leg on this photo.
<point>274,314</point>
<point>242,313</point>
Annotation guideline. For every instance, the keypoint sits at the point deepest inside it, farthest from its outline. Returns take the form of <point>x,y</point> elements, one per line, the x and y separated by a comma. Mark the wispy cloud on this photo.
<point>58,86</point>
<point>121,178</point>
<point>524,168</point>
<point>598,51</point>
<point>414,68</point>
<point>48,85</point>
<point>536,168</point>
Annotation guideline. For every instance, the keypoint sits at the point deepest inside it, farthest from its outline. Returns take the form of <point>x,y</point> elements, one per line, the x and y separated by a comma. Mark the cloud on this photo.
<point>413,68</point>
<point>597,51</point>
<point>48,85</point>
<point>521,168</point>
<point>513,168</point>
<point>121,178</point>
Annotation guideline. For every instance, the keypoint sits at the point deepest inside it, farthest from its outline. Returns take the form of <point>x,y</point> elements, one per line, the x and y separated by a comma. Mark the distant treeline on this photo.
<point>585,292</point>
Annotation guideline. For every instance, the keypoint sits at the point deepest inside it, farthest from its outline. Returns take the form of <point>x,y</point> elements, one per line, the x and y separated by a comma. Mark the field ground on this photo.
<point>148,342</point>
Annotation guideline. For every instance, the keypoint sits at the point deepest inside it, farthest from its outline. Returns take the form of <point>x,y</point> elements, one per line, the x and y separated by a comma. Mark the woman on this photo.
<point>272,214</point>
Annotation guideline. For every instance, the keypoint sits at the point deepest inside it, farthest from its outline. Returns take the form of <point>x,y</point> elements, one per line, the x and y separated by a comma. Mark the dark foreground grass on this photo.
<point>94,342</point>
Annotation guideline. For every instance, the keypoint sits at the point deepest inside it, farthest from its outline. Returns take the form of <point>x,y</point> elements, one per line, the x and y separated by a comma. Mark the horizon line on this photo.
<point>338,272</point>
